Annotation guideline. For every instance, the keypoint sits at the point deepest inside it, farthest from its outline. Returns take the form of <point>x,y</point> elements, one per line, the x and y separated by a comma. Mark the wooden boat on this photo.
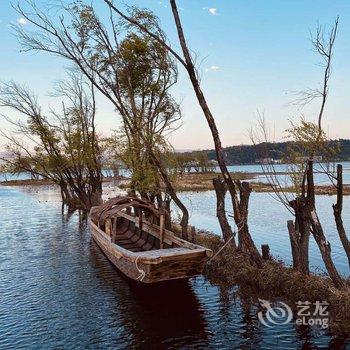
<point>132,234</point>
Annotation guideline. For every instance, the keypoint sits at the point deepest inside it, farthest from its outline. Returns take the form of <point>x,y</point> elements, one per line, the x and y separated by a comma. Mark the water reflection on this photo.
<point>165,314</point>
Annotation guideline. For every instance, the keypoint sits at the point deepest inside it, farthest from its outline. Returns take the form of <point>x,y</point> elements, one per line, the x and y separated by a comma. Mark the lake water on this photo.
<point>320,177</point>
<point>58,291</point>
<point>268,224</point>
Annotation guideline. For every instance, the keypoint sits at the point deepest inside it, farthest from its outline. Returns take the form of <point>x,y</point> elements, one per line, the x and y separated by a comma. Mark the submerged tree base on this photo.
<point>275,281</point>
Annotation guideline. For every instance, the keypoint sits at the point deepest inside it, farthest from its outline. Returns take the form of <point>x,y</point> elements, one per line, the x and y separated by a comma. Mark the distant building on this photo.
<point>268,161</point>
<point>305,159</point>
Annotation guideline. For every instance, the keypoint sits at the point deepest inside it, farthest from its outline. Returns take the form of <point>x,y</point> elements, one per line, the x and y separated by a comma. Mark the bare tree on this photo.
<point>310,138</point>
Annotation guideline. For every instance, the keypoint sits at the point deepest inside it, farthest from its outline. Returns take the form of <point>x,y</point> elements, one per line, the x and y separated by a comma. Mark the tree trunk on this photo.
<point>165,203</point>
<point>299,233</point>
<point>96,193</point>
<point>325,249</point>
<point>265,252</point>
<point>65,194</point>
<point>317,230</point>
<point>245,241</point>
<point>300,248</point>
<point>172,193</point>
<point>338,211</point>
<point>220,190</point>
<point>238,216</point>
<point>182,207</point>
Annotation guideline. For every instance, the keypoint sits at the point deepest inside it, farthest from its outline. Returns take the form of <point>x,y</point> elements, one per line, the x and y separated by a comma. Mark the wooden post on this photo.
<point>114,229</point>
<point>161,228</point>
<point>108,227</point>
<point>265,250</point>
<point>338,212</point>
<point>140,220</point>
<point>192,233</point>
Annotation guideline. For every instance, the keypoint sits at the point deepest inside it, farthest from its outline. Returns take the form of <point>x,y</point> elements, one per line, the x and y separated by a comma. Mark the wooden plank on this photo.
<point>161,231</point>
<point>174,263</point>
<point>131,256</point>
<point>169,236</point>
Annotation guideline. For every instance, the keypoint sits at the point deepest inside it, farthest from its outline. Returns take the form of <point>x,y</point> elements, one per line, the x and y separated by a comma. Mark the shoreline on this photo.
<point>198,182</point>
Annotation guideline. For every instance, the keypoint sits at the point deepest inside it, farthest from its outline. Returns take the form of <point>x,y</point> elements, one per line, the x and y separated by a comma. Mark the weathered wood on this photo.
<point>108,227</point>
<point>294,245</point>
<point>220,190</point>
<point>161,230</point>
<point>325,249</point>
<point>130,243</point>
<point>299,234</point>
<point>265,250</point>
<point>169,236</point>
<point>338,212</point>
<point>191,233</point>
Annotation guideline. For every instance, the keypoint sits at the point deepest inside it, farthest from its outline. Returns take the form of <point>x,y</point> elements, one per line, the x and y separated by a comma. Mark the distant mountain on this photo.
<point>180,150</point>
<point>248,154</point>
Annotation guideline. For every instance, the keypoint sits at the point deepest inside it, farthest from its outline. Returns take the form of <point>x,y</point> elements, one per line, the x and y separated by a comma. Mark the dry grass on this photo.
<point>276,280</point>
<point>195,182</point>
<point>43,182</point>
<point>28,182</point>
<point>204,181</point>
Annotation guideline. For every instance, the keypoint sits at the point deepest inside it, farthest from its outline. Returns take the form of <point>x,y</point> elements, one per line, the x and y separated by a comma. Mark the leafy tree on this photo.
<point>132,70</point>
<point>62,145</point>
<point>306,140</point>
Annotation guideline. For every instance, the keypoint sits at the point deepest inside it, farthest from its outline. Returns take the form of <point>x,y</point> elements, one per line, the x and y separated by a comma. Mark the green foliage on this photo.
<point>247,154</point>
<point>145,72</point>
<point>145,177</point>
<point>197,161</point>
<point>60,146</point>
<point>307,143</point>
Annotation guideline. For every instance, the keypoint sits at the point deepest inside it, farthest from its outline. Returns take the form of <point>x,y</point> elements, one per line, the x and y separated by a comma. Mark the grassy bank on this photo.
<point>275,281</point>
<point>203,182</point>
<point>43,182</point>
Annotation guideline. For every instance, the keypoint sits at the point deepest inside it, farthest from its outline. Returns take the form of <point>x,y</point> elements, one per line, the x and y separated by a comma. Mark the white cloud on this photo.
<point>214,68</point>
<point>22,21</point>
<point>211,10</point>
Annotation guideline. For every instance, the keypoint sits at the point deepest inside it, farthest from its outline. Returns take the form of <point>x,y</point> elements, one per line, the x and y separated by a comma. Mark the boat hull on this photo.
<point>153,266</point>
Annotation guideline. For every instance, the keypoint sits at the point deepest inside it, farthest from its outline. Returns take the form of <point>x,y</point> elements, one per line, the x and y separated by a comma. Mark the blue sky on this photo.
<point>253,55</point>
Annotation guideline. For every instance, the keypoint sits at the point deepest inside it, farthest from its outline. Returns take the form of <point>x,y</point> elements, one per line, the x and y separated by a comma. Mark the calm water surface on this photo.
<point>268,224</point>
<point>58,291</point>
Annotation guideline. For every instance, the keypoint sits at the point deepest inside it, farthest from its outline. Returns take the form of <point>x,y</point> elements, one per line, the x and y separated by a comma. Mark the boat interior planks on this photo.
<point>132,234</point>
